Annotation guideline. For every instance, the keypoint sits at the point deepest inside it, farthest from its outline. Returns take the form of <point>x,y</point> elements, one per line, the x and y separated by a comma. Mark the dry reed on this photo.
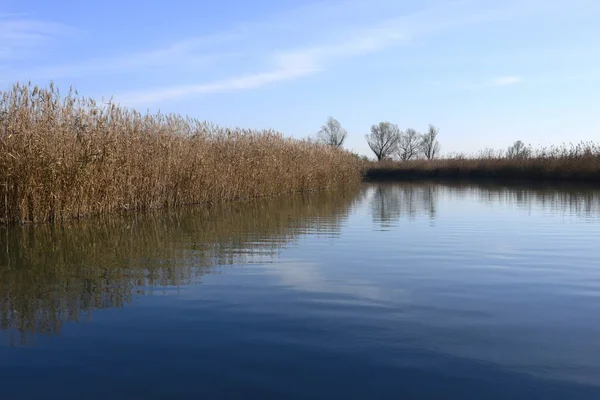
<point>580,162</point>
<point>69,156</point>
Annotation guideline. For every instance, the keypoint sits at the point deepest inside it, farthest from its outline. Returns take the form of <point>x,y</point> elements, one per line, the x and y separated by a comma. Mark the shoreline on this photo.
<point>502,171</point>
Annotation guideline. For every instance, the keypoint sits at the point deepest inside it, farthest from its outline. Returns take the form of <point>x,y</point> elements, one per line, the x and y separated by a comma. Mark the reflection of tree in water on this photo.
<point>582,201</point>
<point>50,274</point>
<point>391,202</point>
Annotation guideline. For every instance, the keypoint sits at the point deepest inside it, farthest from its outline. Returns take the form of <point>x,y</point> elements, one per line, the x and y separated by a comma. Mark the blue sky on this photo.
<point>485,72</point>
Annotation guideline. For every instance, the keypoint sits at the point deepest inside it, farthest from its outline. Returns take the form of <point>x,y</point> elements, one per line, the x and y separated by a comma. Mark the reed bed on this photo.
<point>69,156</point>
<point>580,162</point>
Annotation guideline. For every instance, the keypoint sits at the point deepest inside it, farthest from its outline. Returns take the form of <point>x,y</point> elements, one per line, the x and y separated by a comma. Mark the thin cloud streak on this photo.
<point>506,81</point>
<point>244,82</point>
<point>289,65</point>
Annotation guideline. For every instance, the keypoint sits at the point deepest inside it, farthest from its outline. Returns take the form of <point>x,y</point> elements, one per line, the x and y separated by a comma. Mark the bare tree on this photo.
<point>518,150</point>
<point>383,139</point>
<point>332,133</point>
<point>408,144</point>
<point>429,144</point>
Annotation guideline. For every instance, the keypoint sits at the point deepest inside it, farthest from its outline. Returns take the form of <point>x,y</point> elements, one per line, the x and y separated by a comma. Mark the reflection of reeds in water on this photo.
<point>50,274</point>
<point>391,202</point>
<point>582,201</point>
<point>53,273</point>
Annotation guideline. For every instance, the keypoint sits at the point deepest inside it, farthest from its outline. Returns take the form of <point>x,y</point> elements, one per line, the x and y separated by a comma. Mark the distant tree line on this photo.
<point>386,140</point>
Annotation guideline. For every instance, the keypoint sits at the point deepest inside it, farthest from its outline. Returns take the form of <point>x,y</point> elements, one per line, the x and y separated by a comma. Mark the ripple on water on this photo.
<point>415,290</point>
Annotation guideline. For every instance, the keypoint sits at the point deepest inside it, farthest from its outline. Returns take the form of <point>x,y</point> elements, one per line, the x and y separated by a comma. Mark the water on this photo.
<point>388,291</point>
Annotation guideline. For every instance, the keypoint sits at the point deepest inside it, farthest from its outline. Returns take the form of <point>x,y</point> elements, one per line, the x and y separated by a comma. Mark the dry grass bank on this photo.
<point>67,156</point>
<point>567,163</point>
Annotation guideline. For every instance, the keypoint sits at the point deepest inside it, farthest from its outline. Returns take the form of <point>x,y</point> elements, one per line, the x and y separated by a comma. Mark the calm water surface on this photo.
<point>388,291</point>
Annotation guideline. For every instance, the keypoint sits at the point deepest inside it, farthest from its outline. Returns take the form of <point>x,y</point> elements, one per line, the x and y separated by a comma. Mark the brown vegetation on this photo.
<point>579,162</point>
<point>68,156</point>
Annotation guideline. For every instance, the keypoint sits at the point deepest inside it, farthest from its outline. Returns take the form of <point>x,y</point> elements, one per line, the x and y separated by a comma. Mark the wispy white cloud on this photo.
<point>275,49</point>
<point>506,81</point>
<point>284,66</point>
<point>287,65</point>
<point>243,82</point>
<point>382,33</point>
<point>497,82</point>
<point>20,36</point>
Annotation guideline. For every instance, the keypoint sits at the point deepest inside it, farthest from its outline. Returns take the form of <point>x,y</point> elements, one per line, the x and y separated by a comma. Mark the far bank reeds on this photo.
<point>68,156</point>
<point>579,162</point>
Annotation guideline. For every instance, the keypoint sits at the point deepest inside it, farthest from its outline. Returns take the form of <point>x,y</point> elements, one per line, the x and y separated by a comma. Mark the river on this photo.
<point>390,290</point>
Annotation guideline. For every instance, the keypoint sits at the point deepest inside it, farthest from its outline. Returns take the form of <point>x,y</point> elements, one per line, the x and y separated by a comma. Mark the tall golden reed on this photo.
<point>68,156</point>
